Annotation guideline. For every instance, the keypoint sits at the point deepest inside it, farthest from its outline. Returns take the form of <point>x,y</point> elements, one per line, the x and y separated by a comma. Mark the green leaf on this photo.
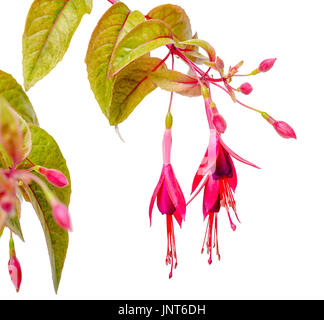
<point>15,136</point>
<point>50,26</point>
<point>17,98</point>
<point>175,81</point>
<point>45,152</point>
<point>13,222</point>
<point>176,18</point>
<point>144,38</point>
<point>111,29</point>
<point>131,86</point>
<point>196,57</point>
<point>203,44</point>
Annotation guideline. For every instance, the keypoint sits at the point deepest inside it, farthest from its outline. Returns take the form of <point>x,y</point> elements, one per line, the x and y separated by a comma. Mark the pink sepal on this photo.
<point>174,191</point>
<point>212,151</point>
<point>237,157</point>
<point>156,191</point>
<point>198,177</point>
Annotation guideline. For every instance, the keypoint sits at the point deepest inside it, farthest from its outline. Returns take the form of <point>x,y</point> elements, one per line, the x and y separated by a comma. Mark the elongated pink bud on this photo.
<point>55,177</point>
<point>14,266</point>
<point>15,272</point>
<point>246,88</point>
<point>61,215</point>
<point>218,120</point>
<point>284,130</point>
<point>266,65</point>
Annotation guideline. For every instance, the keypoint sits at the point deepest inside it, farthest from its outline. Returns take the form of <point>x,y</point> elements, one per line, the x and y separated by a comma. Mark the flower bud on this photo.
<point>266,65</point>
<point>14,266</point>
<point>284,130</point>
<point>15,272</point>
<point>61,215</point>
<point>218,120</point>
<point>246,88</point>
<point>55,177</point>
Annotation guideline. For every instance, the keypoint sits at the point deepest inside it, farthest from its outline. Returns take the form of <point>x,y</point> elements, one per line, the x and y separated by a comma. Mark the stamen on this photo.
<point>216,238</point>
<point>227,200</point>
<point>171,251</point>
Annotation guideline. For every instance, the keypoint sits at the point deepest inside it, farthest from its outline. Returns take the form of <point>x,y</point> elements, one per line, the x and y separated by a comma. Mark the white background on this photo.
<point>277,251</point>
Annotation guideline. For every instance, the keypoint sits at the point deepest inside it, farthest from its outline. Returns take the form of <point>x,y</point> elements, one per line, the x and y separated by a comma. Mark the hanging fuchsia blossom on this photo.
<point>170,200</point>
<point>217,175</point>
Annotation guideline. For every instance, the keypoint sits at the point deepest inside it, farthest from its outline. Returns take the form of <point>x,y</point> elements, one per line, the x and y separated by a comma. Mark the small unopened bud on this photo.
<point>245,88</point>
<point>55,177</point>
<point>218,120</point>
<point>14,266</point>
<point>61,215</point>
<point>284,130</point>
<point>266,65</point>
<point>168,121</point>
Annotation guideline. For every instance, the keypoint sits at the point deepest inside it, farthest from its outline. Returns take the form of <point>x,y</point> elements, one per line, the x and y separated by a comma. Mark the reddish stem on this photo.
<point>112,1</point>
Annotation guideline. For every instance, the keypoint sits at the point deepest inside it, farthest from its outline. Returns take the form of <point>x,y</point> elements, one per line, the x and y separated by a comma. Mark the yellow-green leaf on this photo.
<point>144,38</point>
<point>13,222</point>
<point>17,98</point>
<point>175,81</point>
<point>111,29</point>
<point>131,86</point>
<point>45,152</point>
<point>49,28</point>
<point>15,136</point>
<point>203,44</point>
<point>176,18</point>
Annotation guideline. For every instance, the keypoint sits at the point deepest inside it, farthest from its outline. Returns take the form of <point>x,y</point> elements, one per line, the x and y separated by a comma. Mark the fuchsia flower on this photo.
<point>14,266</point>
<point>217,176</point>
<point>170,200</point>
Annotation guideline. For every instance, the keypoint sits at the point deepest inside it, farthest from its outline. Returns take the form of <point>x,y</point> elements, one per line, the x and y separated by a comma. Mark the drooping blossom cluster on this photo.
<point>17,174</point>
<point>216,174</point>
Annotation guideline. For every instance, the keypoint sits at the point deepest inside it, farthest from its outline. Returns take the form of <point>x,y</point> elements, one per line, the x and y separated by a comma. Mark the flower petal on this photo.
<point>224,164</point>
<point>164,202</point>
<point>156,190</point>
<point>211,194</point>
